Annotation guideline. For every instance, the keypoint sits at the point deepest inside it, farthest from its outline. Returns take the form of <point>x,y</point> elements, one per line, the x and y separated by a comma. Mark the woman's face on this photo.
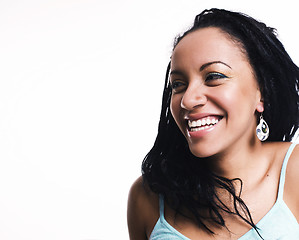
<point>215,94</point>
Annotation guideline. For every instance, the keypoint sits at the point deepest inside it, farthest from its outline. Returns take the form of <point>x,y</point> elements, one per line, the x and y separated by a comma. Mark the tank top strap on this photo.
<point>161,206</point>
<point>283,171</point>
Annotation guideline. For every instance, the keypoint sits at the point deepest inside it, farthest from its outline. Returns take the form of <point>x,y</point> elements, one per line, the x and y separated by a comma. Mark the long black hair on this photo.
<point>183,179</point>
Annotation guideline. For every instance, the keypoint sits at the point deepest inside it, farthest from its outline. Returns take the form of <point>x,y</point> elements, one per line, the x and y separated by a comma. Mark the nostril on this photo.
<point>194,96</point>
<point>191,104</point>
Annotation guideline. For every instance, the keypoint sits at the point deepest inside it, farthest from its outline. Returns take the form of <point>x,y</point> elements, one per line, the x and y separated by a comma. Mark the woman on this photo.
<point>215,170</point>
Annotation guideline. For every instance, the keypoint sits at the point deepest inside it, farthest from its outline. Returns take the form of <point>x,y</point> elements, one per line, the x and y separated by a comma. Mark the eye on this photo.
<point>214,76</point>
<point>177,86</point>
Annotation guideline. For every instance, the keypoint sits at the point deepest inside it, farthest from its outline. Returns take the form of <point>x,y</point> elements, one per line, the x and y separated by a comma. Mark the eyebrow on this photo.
<point>214,62</point>
<point>178,72</point>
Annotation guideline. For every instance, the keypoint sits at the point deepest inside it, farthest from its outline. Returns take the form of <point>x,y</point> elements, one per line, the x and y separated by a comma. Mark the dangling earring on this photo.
<point>262,129</point>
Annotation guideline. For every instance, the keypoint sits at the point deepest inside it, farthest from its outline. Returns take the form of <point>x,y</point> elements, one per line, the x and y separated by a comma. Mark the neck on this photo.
<point>239,161</point>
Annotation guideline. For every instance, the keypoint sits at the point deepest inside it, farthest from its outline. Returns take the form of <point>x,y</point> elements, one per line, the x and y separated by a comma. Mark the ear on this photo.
<point>260,103</point>
<point>260,107</point>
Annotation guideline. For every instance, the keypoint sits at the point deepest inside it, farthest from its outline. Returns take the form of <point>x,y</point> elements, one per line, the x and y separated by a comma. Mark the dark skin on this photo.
<point>143,205</point>
<point>235,100</point>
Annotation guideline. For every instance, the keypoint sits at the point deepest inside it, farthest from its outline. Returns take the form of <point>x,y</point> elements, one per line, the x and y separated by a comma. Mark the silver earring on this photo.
<point>262,129</point>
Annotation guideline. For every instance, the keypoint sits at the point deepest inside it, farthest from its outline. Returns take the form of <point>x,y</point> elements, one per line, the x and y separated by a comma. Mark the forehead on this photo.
<point>207,44</point>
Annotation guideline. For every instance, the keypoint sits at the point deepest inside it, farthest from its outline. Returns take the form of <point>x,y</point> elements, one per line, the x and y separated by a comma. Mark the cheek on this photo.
<point>175,104</point>
<point>238,101</point>
<point>228,98</point>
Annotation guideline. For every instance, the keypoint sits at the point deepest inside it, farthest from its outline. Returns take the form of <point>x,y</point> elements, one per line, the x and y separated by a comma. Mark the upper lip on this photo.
<point>196,116</point>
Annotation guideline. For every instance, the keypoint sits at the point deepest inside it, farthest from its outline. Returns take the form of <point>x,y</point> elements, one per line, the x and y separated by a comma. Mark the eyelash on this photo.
<point>215,76</point>
<point>176,84</point>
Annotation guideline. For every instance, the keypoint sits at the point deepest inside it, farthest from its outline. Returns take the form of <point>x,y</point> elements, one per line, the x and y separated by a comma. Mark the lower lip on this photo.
<point>201,133</point>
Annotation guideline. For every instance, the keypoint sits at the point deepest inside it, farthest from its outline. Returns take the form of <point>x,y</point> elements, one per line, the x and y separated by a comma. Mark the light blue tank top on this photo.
<point>278,224</point>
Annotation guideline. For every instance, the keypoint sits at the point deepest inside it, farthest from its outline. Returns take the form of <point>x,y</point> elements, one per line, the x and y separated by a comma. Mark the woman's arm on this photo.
<point>136,212</point>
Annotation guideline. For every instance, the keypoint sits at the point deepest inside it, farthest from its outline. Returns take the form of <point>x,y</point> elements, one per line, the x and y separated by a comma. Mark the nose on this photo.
<point>194,96</point>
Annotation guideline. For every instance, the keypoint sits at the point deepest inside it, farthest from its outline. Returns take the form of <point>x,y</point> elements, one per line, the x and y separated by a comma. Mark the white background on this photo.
<point>80,92</point>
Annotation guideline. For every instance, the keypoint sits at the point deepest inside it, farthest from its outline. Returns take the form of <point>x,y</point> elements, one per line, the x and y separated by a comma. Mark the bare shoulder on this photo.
<point>292,171</point>
<point>280,150</point>
<point>276,152</point>
<point>291,190</point>
<point>143,210</point>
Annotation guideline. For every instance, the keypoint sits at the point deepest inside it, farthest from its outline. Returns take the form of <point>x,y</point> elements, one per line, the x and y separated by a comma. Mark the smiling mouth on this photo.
<point>203,123</point>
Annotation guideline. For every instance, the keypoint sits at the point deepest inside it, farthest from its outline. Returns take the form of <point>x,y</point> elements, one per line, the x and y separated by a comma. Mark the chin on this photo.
<point>203,149</point>
<point>201,152</point>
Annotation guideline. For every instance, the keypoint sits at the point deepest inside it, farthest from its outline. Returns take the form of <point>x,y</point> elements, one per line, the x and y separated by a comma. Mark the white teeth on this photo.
<point>202,123</point>
<point>198,122</point>
<point>193,124</point>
